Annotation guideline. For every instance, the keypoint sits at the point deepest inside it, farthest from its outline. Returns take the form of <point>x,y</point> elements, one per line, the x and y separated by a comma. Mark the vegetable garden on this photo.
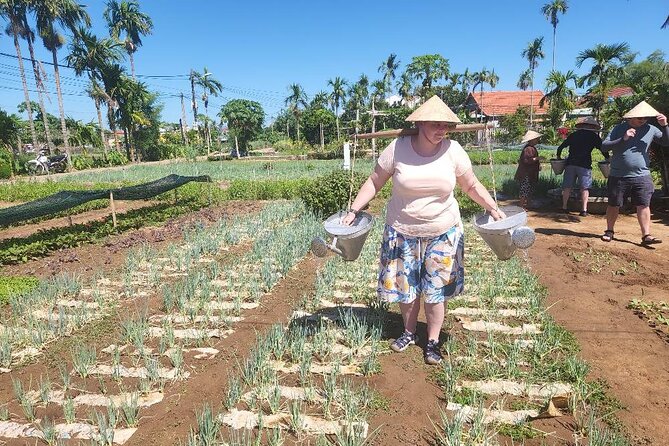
<point>230,332</point>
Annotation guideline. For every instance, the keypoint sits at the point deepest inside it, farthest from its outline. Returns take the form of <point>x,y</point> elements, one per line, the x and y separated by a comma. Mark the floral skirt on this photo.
<point>431,268</point>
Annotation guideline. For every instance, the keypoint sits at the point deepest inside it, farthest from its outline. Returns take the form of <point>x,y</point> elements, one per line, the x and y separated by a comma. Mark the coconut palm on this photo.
<point>112,77</point>
<point>388,68</point>
<point>533,53</point>
<point>466,79</point>
<point>210,86</point>
<point>296,99</point>
<point>125,17</point>
<point>524,80</point>
<point>551,11</point>
<point>337,97</point>
<point>13,11</point>
<point>607,64</point>
<point>69,15</point>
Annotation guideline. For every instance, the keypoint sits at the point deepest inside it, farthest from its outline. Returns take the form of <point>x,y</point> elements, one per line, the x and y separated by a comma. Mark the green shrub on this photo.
<point>83,161</point>
<point>329,193</point>
<point>116,158</point>
<point>15,286</point>
<point>6,161</point>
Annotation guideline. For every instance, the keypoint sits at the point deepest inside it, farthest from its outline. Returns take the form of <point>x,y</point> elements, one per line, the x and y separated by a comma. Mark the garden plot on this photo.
<point>295,380</point>
<point>509,363</point>
<point>155,349</point>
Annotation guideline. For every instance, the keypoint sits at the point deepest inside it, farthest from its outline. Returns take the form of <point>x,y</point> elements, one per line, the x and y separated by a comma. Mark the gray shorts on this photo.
<point>572,172</point>
<point>640,189</point>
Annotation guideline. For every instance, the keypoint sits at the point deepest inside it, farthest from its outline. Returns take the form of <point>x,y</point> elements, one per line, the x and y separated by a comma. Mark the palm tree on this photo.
<point>13,11</point>
<point>210,86</point>
<point>533,53</point>
<point>666,23</point>
<point>388,68</point>
<point>127,18</point>
<point>92,55</point>
<point>296,99</point>
<point>98,95</point>
<point>68,14</point>
<point>429,68</point>
<point>559,94</point>
<point>405,87</point>
<point>320,100</point>
<point>480,78</point>
<point>112,77</point>
<point>551,11</point>
<point>337,97</point>
<point>524,80</point>
<point>607,63</point>
<point>29,36</point>
<point>465,79</point>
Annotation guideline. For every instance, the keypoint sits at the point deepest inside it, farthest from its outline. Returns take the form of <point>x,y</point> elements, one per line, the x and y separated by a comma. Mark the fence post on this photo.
<point>113,207</point>
<point>347,156</point>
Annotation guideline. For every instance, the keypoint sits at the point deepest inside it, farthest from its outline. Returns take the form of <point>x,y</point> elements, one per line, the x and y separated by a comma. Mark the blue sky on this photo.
<point>257,48</point>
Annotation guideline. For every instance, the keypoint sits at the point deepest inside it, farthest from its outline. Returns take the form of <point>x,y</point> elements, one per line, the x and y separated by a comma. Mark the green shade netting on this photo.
<point>67,199</point>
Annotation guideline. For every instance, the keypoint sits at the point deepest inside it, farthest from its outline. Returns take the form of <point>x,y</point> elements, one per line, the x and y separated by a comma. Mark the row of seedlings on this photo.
<point>508,365</point>
<point>133,369</point>
<point>64,304</point>
<point>304,380</point>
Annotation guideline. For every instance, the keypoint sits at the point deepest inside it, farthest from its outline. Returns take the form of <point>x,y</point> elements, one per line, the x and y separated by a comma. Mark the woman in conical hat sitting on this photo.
<point>423,242</point>
<point>527,173</point>
<point>630,166</point>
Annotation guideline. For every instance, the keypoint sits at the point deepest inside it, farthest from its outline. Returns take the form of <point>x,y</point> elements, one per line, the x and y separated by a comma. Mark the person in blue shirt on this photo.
<point>629,143</point>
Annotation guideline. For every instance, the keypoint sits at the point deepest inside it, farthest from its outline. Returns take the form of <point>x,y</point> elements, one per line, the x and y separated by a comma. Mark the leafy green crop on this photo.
<point>16,285</point>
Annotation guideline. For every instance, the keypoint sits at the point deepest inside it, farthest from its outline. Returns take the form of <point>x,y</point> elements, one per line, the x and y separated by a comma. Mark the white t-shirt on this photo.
<point>422,202</point>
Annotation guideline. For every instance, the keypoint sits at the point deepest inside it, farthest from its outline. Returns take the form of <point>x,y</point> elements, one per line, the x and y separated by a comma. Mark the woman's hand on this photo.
<point>349,217</point>
<point>497,214</point>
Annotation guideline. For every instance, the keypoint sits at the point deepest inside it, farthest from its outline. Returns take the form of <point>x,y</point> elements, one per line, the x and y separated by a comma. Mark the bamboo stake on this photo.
<point>460,128</point>
<point>113,207</point>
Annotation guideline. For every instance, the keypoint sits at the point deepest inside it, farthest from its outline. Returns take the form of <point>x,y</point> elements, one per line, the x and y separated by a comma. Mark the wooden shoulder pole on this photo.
<point>460,128</point>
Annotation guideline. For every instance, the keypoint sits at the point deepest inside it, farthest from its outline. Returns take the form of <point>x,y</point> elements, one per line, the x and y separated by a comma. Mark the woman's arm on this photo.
<point>477,192</point>
<point>369,189</point>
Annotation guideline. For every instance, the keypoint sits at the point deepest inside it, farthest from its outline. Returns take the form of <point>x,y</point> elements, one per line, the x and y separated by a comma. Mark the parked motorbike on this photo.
<point>45,163</point>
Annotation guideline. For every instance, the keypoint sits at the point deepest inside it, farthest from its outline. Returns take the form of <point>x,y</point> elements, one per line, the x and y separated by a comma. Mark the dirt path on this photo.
<point>590,283</point>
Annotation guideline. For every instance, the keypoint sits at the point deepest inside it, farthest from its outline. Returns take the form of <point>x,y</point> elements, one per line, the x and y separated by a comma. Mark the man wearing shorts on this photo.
<point>581,143</point>
<point>630,172</point>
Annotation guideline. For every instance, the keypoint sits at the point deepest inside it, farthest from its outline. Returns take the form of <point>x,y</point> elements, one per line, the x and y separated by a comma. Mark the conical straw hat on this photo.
<point>530,135</point>
<point>588,123</point>
<point>642,110</point>
<point>434,109</point>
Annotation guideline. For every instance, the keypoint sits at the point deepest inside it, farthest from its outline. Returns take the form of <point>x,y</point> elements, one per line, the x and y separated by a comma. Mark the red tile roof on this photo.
<point>499,103</point>
<point>617,92</point>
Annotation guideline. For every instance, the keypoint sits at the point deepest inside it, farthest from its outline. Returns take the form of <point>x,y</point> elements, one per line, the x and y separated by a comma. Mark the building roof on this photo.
<point>499,103</point>
<point>617,92</point>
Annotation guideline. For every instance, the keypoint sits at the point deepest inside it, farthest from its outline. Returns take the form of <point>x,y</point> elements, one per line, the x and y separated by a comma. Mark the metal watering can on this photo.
<point>346,241</point>
<point>505,236</point>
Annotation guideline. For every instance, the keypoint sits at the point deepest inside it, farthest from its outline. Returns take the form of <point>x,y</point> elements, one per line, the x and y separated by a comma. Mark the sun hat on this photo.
<point>530,135</point>
<point>434,109</point>
<point>642,110</point>
<point>588,123</point>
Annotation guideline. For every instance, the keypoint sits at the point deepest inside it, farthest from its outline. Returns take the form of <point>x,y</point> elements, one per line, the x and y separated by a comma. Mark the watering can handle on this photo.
<point>333,246</point>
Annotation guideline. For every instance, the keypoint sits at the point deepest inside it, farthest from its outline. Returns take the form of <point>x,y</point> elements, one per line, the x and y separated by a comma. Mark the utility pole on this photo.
<point>373,131</point>
<point>194,104</point>
<point>183,121</point>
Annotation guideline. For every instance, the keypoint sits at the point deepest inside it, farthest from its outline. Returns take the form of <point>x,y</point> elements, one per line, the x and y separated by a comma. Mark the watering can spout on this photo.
<point>320,247</point>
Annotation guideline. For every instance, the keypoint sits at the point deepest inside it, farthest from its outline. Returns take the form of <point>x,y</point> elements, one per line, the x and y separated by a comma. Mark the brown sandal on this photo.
<point>608,235</point>
<point>649,240</point>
